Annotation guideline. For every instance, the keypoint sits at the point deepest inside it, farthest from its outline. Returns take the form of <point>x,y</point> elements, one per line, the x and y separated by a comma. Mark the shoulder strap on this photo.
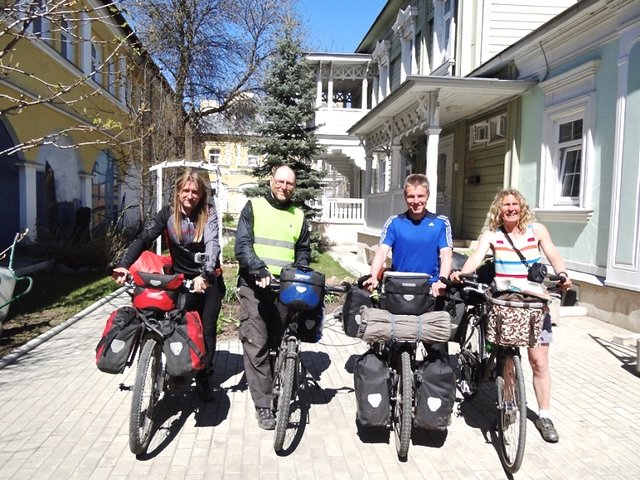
<point>522,259</point>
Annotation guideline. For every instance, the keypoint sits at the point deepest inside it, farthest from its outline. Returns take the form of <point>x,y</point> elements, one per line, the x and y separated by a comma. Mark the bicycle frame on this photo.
<point>151,377</point>
<point>476,366</point>
<point>288,370</point>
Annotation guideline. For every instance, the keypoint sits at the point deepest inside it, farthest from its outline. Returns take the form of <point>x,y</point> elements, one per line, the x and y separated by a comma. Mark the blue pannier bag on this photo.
<point>301,287</point>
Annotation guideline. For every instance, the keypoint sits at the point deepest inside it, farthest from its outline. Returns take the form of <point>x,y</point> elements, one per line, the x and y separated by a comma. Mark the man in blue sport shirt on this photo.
<point>419,241</point>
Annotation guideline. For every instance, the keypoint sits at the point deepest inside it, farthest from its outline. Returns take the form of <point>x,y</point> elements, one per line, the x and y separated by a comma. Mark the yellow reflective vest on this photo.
<point>276,233</point>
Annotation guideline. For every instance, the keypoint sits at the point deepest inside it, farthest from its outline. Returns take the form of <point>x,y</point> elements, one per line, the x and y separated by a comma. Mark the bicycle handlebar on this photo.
<point>342,288</point>
<point>129,283</point>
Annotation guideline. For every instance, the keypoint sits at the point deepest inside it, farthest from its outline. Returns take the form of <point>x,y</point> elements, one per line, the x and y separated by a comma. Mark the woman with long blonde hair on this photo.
<point>509,215</point>
<point>191,227</point>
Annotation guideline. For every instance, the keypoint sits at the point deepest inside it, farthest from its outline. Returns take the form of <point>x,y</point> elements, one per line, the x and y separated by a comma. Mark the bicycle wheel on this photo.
<point>470,358</point>
<point>512,411</point>
<point>146,393</point>
<point>403,414</point>
<point>285,376</point>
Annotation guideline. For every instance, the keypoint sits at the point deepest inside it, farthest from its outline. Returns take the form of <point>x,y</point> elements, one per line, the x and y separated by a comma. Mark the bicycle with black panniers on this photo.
<point>158,331</point>
<point>301,292</point>
<point>498,320</point>
<point>407,362</point>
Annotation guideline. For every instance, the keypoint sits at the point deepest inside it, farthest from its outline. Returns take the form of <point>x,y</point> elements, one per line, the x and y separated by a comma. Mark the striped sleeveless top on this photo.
<point>507,261</point>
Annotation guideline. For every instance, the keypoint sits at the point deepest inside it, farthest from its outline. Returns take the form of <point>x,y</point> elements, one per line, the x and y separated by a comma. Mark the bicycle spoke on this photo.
<point>512,411</point>
<point>287,391</point>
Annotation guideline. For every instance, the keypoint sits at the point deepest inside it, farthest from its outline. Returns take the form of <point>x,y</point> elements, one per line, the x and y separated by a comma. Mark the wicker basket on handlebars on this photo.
<point>514,319</point>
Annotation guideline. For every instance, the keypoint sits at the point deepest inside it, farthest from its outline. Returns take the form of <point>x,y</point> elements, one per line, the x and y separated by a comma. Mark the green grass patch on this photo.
<point>228,255</point>
<point>327,265</point>
<point>70,293</point>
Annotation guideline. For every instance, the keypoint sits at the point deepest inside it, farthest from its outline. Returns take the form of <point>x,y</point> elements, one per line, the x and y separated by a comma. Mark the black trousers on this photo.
<point>208,304</point>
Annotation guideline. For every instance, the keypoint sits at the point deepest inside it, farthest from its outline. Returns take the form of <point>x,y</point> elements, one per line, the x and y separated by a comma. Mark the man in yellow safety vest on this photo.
<point>271,233</point>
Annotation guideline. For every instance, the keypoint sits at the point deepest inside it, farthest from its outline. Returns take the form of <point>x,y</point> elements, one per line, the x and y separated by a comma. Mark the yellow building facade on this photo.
<point>235,157</point>
<point>69,94</point>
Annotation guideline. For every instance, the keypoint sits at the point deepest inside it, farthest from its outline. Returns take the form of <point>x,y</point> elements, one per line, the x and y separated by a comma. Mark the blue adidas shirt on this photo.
<point>415,245</point>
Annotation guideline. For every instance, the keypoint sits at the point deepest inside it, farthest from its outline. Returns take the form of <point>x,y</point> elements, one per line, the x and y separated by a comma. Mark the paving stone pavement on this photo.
<point>64,419</point>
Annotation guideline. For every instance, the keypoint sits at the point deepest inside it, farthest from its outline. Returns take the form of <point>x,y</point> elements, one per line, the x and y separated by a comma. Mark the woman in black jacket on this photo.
<point>191,226</point>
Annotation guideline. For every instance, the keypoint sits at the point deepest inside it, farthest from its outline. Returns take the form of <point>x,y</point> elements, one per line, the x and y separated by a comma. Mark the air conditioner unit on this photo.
<point>501,127</point>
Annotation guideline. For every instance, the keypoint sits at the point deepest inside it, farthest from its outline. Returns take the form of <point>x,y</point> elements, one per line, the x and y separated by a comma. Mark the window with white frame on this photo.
<point>111,76</point>
<point>253,159</point>
<point>568,148</point>
<point>444,33</point>
<point>569,161</point>
<point>67,47</point>
<point>96,62</point>
<point>214,156</point>
<point>564,183</point>
<point>39,21</point>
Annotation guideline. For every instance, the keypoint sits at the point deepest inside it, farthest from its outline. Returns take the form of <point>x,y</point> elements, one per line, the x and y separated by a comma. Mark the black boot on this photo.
<point>205,389</point>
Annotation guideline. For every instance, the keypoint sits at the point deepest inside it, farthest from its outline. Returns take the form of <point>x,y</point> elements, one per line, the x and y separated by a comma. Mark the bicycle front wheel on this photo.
<point>284,389</point>
<point>470,358</point>
<point>403,415</point>
<point>146,393</point>
<point>512,411</point>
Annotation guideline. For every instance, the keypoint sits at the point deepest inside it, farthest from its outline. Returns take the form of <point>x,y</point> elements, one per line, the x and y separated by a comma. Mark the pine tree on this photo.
<point>285,114</point>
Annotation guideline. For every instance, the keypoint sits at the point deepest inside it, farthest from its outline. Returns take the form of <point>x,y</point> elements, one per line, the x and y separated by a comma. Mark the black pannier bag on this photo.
<point>405,293</point>
<point>455,306</point>
<point>118,340</point>
<point>310,324</point>
<point>371,382</point>
<point>354,300</point>
<point>435,393</point>
<point>301,287</point>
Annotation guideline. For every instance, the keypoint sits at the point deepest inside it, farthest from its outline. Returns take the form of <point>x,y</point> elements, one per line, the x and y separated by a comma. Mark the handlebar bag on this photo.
<point>154,290</point>
<point>405,293</point>
<point>371,382</point>
<point>301,287</point>
<point>514,319</point>
<point>158,280</point>
<point>377,325</point>
<point>155,299</point>
<point>118,340</point>
<point>183,345</point>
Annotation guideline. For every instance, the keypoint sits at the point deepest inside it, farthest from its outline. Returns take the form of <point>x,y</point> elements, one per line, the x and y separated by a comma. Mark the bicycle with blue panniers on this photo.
<point>301,292</point>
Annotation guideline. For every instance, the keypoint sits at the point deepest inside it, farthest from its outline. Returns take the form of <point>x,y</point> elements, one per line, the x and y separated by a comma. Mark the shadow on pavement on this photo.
<point>173,411</point>
<point>625,355</point>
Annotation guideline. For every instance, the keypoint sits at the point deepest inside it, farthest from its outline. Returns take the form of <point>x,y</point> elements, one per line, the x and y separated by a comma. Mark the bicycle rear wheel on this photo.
<point>147,389</point>
<point>512,410</point>
<point>403,407</point>
<point>285,381</point>
<point>470,358</point>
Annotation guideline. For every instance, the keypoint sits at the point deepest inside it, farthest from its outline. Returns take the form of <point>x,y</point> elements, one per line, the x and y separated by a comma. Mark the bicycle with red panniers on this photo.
<point>166,339</point>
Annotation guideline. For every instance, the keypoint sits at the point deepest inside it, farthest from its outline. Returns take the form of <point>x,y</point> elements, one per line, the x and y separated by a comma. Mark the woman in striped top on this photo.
<point>510,215</point>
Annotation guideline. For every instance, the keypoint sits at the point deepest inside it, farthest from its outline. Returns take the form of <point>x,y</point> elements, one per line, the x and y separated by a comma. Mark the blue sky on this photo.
<point>338,25</point>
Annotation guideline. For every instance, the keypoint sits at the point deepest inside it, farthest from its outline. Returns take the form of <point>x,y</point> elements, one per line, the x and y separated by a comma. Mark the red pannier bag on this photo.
<point>118,340</point>
<point>154,290</point>
<point>184,343</point>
